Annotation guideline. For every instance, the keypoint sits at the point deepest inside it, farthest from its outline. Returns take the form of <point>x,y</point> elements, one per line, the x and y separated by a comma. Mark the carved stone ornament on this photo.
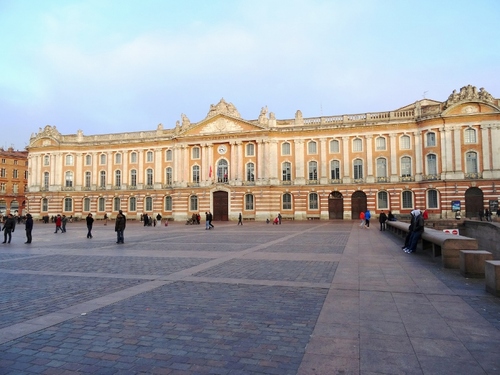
<point>221,125</point>
<point>223,108</point>
<point>469,109</point>
<point>468,93</point>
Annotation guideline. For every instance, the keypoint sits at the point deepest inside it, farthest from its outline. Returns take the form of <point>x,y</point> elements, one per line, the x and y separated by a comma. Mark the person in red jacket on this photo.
<point>58,224</point>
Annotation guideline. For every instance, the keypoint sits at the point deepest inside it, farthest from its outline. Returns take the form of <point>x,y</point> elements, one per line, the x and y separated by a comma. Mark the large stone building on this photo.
<point>429,155</point>
<point>13,181</point>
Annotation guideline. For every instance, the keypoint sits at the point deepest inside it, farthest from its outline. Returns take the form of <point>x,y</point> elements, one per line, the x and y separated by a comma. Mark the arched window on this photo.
<point>248,202</point>
<point>149,157</point>
<point>357,145</point>
<point>132,204</point>
<point>405,166</point>
<point>168,176</point>
<point>407,199</point>
<point>313,201</point>
<point>195,152</point>
<point>118,178</point>
<point>118,158</point>
<point>358,169</point>
<point>88,180</point>
<point>45,204</point>
<point>46,180</point>
<point>335,170</point>
<point>430,138</point>
<point>196,174</point>
<point>168,155</point>
<point>381,167</point>
<point>432,199</point>
<point>250,172</point>
<point>382,200</point>
<point>101,204</point>
<point>117,204</point>
<point>133,157</point>
<point>471,162</point>
<point>250,149</point>
<point>168,203</point>
<point>69,179</point>
<point>148,204</point>
<point>334,146</point>
<point>222,170</point>
<point>102,179</point>
<point>133,177</point>
<point>285,149</point>
<point>103,159</point>
<point>286,169</point>
<point>193,203</point>
<point>86,204</point>
<point>46,160</point>
<point>88,159</point>
<point>404,142</point>
<point>68,204</point>
<point>312,170</point>
<point>432,165</point>
<point>380,144</point>
<point>470,135</point>
<point>287,201</point>
<point>69,159</point>
<point>149,177</point>
<point>312,147</point>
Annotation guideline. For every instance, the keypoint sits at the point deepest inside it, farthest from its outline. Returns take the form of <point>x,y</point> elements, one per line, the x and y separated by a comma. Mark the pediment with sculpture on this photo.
<point>469,93</point>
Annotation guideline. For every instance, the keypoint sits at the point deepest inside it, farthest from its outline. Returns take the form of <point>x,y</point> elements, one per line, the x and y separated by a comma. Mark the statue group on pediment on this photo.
<point>468,92</point>
<point>223,108</point>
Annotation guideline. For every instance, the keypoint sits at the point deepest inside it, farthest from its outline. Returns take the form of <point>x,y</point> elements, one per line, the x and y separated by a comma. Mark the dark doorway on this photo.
<point>358,203</point>
<point>473,202</point>
<point>220,206</point>
<point>335,205</point>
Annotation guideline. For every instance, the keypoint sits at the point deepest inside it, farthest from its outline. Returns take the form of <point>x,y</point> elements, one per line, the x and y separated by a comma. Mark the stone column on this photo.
<point>323,163</point>
<point>79,159</point>
<point>260,162</point>
<point>176,173</point>
<point>418,155</point>
<point>495,146</point>
<point>125,170</point>
<point>369,158</point>
<point>157,172</point>
<point>458,150</point>
<point>240,173</point>
<point>345,156</point>
<point>273,162</point>
<point>299,162</point>
<point>95,173</point>
<point>485,142</point>
<point>393,140</point>
<point>110,173</point>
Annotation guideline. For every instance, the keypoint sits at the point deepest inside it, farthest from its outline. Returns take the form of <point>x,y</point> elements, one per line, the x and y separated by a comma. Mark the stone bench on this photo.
<point>442,244</point>
<point>492,274</point>
<point>472,262</point>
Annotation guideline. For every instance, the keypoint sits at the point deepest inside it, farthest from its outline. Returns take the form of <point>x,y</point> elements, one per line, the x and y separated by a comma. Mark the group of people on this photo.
<point>365,217</point>
<point>487,214</point>
<point>9,226</point>
<point>208,220</point>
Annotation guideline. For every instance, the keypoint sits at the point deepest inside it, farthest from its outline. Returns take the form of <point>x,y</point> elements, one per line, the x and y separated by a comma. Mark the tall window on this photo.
<point>118,158</point>
<point>46,180</point>
<point>250,172</point>
<point>335,170</point>
<point>148,204</point>
<point>88,159</point>
<point>405,166</point>
<point>287,201</point>
<point>313,201</point>
<point>380,144</point>
<point>15,173</point>
<point>471,162</point>
<point>222,169</point>
<point>168,203</point>
<point>149,156</point>
<point>382,167</point>
<point>407,199</point>
<point>69,179</point>
<point>102,179</point>
<point>168,155</point>
<point>250,149</point>
<point>404,142</point>
<point>196,173</point>
<point>358,169</point>
<point>45,204</point>
<point>382,200</point>
<point>470,135</point>
<point>285,148</point>
<point>193,203</point>
<point>312,148</point>
<point>86,204</point>
<point>430,138</point>
<point>3,172</point>
<point>132,204</point>
<point>195,153</point>
<point>149,177</point>
<point>118,178</point>
<point>313,170</point>
<point>103,159</point>
<point>357,145</point>
<point>46,160</point>
<point>101,204</point>
<point>334,146</point>
<point>432,164</point>
<point>69,159</point>
<point>68,204</point>
<point>116,204</point>
<point>432,199</point>
<point>3,187</point>
<point>15,188</point>
<point>168,176</point>
<point>133,177</point>
<point>287,171</point>
<point>88,179</point>
<point>248,202</point>
<point>133,157</point>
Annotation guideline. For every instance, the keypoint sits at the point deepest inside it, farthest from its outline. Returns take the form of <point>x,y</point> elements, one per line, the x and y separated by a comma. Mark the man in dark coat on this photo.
<point>90,223</point>
<point>120,224</point>
<point>29,227</point>
<point>8,228</point>
<point>382,218</point>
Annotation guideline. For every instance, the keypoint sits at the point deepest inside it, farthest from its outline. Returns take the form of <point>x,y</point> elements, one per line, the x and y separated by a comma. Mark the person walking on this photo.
<point>362,218</point>
<point>58,221</point>
<point>90,223</point>
<point>210,217</point>
<point>64,221</point>
<point>382,218</point>
<point>279,218</point>
<point>240,219</point>
<point>368,216</point>
<point>158,218</point>
<point>8,228</point>
<point>207,221</point>
<point>417,230</point>
<point>105,219</point>
<point>28,227</point>
<point>120,224</point>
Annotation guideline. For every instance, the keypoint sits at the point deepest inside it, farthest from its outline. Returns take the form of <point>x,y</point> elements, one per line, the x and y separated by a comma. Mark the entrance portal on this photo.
<point>473,202</point>
<point>220,206</point>
<point>335,205</point>
<point>358,203</point>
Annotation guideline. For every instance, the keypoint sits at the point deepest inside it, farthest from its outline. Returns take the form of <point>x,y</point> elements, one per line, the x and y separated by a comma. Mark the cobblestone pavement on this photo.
<point>316,297</point>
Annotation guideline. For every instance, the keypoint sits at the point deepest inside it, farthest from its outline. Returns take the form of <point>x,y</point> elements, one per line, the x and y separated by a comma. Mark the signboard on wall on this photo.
<point>455,206</point>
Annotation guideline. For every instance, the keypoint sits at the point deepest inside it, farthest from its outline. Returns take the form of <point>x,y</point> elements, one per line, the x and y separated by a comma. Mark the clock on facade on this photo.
<point>222,149</point>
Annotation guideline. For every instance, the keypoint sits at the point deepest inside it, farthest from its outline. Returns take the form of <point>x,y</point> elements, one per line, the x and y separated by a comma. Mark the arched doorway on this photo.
<point>473,202</point>
<point>335,205</point>
<point>358,203</point>
<point>220,206</point>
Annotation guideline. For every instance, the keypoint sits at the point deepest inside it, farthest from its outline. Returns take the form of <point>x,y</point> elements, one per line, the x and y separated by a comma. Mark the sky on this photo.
<point>121,66</point>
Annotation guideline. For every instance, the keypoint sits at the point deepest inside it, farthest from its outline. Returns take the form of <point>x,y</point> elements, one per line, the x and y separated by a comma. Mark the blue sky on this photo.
<point>119,66</point>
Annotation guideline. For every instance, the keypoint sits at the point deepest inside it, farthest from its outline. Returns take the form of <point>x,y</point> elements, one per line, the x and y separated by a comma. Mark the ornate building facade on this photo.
<point>13,181</point>
<point>438,156</point>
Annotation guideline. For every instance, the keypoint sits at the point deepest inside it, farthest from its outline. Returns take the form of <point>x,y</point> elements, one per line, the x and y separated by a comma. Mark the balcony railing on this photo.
<point>358,180</point>
<point>286,182</point>
<point>312,182</point>
<point>150,187</point>
<point>68,188</point>
<point>166,186</point>
<point>132,187</point>
<point>473,176</point>
<point>431,177</point>
<point>383,179</point>
<point>407,179</point>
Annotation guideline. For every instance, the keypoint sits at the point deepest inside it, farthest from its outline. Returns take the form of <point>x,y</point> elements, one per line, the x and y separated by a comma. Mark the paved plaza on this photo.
<point>314,297</point>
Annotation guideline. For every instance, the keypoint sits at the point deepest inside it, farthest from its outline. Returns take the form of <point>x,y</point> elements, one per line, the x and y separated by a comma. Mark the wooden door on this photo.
<point>473,202</point>
<point>358,204</point>
<point>220,206</point>
<point>335,206</point>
